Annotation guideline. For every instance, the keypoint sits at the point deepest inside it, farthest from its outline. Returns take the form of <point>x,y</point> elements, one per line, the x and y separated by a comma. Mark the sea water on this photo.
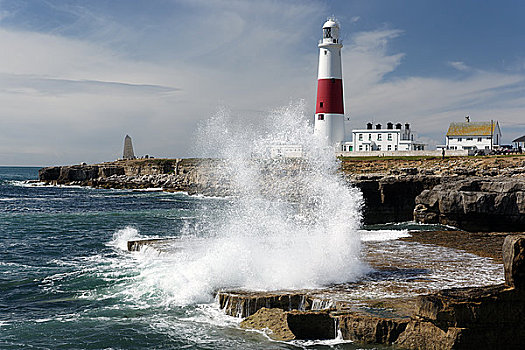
<point>67,280</point>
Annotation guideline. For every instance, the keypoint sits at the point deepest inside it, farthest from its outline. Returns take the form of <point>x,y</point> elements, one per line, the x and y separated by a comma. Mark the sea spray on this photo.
<point>292,223</point>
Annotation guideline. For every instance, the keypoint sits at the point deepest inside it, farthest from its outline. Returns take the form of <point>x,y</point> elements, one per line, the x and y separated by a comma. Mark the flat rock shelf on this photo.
<point>482,317</point>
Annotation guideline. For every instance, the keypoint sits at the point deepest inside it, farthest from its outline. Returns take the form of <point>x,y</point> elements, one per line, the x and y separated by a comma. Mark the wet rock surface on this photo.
<point>485,244</point>
<point>489,317</point>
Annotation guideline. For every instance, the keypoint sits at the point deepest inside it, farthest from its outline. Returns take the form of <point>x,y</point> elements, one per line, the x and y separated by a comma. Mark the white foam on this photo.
<point>121,237</point>
<point>31,183</point>
<point>382,235</point>
<point>149,189</point>
<point>280,232</point>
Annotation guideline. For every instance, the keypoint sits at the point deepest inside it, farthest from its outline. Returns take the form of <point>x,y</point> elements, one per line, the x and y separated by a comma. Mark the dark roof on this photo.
<point>520,139</point>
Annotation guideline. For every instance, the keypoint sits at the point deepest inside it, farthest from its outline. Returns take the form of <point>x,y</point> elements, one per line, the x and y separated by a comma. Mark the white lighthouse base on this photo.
<point>331,129</point>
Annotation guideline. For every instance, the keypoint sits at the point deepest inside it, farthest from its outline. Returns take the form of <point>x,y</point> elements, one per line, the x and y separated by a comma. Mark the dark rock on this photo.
<point>289,325</point>
<point>160,244</point>
<point>244,304</point>
<point>368,329</point>
<point>311,324</point>
<point>49,173</point>
<point>392,198</point>
<point>425,335</point>
<point>514,261</point>
<point>474,204</point>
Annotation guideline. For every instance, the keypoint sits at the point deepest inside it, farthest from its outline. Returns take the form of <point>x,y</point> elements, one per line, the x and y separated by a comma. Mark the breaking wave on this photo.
<point>292,222</point>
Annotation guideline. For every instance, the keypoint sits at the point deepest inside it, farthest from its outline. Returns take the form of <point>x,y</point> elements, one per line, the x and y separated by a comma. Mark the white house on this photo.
<point>473,135</point>
<point>392,138</point>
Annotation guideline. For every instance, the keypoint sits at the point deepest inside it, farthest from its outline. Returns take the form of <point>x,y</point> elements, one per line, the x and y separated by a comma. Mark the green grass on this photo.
<point>349,159</point>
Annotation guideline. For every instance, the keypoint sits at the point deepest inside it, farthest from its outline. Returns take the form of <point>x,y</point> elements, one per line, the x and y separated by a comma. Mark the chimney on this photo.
<point>389,125</point>
<point>378,126</point>
<point>369,126</point>
<point>407,126</point>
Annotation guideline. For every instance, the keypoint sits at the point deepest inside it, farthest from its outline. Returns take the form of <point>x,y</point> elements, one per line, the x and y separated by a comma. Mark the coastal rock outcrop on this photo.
<point>514,261</point>
<point>474,204</point>
<point>475,194</point>
<point>488,317</point>
<point>290,325</point>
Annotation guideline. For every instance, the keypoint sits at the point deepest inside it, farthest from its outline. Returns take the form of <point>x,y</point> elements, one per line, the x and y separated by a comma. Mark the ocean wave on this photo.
<point>121,237</point>
<point>382,235</point>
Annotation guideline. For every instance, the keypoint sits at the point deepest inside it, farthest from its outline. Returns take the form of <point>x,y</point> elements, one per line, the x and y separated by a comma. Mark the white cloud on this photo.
<point>461,66</point>
<point>67,98</point>
<point>429,103</point>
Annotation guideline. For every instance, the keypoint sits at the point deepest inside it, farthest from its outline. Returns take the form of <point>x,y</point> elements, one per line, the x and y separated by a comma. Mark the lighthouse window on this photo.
<point>327,33</point>
<point>320,105</point>
<point>320,117</point>
<point>325,52</point>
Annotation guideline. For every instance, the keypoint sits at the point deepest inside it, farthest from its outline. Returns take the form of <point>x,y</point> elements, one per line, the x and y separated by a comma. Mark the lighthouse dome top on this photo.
<point>330,23</point>
<point>331,30</point>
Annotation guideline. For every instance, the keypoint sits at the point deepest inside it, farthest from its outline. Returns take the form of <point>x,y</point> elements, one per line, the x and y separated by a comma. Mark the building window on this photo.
<point>360,137</point>
<point>479,139</point>
<point>320,117</point>
<point>460,139</point>
<point>325,52</point>
<point>360,147</point>
<point>389,137</point>
<point>320,104</point>
<point>389,147</point>
<point>379,137</point>
<point>469,138</point>
<point>396,148</point>
<point>379,147</point>
<point>370,136</point>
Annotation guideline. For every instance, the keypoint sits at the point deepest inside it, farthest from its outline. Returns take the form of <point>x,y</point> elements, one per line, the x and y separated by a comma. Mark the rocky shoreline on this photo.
<point>471,193</point>
<point>482,195</point>
<point>489,317</point>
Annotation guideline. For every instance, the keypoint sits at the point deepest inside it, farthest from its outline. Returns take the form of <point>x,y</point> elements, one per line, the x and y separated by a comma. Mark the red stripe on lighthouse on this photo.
<point>330,96</point>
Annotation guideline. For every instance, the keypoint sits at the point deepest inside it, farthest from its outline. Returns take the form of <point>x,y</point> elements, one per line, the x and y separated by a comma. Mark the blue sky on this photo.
<point>76,76</point>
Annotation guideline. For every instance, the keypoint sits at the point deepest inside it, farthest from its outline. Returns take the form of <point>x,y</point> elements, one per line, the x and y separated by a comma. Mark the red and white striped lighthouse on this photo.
<point>329,112</point>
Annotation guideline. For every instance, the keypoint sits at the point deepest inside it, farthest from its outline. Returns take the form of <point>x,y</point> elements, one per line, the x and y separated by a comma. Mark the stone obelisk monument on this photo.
<point>128,149</point>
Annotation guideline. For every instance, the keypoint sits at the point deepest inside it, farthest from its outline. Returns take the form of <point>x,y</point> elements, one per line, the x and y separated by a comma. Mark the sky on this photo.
<point>77,76</point>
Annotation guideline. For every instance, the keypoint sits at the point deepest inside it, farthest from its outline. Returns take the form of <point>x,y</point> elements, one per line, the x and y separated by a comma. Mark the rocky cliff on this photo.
<point>474,203</point>
<point>471,193</point>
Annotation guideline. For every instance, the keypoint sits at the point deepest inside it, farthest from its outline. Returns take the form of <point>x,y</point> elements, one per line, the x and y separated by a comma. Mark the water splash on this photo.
<point>293,223</point>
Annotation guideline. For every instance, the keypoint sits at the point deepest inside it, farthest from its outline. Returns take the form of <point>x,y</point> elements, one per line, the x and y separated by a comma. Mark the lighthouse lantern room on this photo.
<point>329,112</point>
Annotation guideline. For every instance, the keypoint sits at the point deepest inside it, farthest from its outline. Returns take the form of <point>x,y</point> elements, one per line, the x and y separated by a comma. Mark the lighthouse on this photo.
<point>329,111</point>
